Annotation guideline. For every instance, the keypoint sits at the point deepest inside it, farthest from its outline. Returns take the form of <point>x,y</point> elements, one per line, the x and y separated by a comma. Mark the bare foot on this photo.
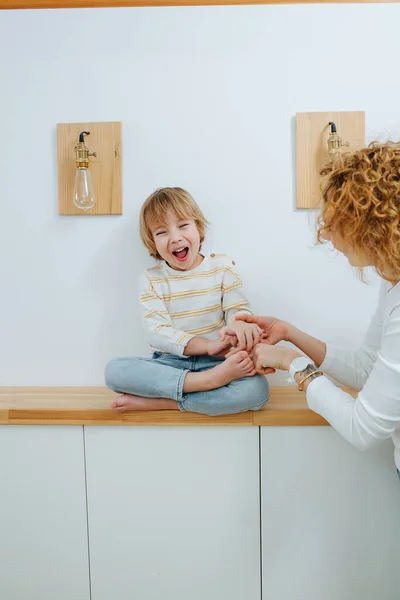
<point>235,367</point>
<point>125,402</point>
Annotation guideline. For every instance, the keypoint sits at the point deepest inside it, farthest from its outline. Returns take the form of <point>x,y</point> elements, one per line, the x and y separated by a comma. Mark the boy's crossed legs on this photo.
<point>203,384</point>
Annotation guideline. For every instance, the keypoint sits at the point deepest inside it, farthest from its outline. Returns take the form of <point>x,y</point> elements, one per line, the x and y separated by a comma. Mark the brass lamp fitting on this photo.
<point>82,152</point>
<point>335,143</point>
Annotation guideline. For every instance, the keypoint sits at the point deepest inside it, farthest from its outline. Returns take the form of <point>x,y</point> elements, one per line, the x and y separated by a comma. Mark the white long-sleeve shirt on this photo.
<point>374,371</point>
<point>179,305</point>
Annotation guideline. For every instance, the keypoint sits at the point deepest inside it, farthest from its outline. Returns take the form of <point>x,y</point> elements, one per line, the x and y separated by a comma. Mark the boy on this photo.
<point>188,301</point>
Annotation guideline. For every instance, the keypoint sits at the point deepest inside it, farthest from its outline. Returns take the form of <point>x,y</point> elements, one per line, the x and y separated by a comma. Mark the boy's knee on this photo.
<point>119,372</point>
<point>249,393</point>
<point>257,392</point>
<point>112,371</point>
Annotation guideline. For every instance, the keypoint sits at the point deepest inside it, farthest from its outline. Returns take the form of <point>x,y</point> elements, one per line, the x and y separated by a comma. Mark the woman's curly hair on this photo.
<point>361,202</point>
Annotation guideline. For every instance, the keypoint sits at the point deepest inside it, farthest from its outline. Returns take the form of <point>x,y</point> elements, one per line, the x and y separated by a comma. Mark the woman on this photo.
<point>360,216</point>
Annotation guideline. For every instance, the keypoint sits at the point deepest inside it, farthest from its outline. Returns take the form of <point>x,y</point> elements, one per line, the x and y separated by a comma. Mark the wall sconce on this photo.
<point>83,196</point>
<point>314,149</point>
<point>335,143</point>
<point>89,187</point>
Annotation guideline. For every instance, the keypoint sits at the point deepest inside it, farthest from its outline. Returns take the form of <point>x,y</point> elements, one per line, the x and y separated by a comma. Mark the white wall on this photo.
<point>207,97</point>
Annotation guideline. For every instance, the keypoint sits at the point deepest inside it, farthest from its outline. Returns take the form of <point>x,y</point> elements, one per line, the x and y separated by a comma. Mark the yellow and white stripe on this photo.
<point>186,276</point>
<point>185,314</point>
<point>180,305</point>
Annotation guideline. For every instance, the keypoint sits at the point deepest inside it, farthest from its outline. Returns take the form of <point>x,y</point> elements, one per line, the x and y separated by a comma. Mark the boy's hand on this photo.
<point>274,330</point>
<point>222,346</point>
<point>247,334</point>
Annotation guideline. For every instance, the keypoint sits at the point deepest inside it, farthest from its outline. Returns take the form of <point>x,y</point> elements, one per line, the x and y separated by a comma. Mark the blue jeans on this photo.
<point>162,376</point>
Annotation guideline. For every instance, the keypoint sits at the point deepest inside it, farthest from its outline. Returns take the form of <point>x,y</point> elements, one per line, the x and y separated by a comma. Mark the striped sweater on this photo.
<point>179,305</point>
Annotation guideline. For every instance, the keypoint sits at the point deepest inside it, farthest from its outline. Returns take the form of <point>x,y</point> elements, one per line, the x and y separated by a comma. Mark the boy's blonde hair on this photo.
<point>361,201</point>
<point>155,208</point>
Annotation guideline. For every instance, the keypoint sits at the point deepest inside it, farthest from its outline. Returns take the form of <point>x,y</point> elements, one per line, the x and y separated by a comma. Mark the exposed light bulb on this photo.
<point>335,143</point>
<point>83,197</point>
<point>83,190</point>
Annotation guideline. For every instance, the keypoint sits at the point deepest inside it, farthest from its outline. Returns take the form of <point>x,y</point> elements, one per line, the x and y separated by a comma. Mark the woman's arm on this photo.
<point>277,331</point>
<point>349,367</point>
<point>375,413</point>
<point>311,346</point>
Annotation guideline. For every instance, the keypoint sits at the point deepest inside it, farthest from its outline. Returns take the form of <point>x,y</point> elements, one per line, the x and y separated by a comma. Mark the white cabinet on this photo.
<point>43,539</point>
<point>174,512</point>
<point>330,517</point>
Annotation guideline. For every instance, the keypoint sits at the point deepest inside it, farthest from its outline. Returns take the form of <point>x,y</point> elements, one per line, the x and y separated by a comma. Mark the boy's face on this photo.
<point>177,241</point>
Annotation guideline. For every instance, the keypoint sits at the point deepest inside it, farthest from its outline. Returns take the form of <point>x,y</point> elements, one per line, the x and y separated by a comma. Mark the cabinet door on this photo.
<point>174,512</point>
<point>330,517</point>
<point>43,539</point>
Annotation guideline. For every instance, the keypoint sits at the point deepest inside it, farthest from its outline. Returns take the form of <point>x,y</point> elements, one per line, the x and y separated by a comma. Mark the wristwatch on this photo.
<point>300,363</point>
<point>305,366</point>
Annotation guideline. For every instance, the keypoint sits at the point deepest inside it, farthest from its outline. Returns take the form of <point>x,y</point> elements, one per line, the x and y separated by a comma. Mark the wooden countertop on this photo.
<point>90,406</point>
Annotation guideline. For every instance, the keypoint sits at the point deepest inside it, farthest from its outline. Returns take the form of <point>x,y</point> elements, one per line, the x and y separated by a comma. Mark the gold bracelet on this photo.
<point>317,373</point>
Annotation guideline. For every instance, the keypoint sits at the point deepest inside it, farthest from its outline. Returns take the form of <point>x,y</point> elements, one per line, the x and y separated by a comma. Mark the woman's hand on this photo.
<point>274,329</point>
<point>266,357</point>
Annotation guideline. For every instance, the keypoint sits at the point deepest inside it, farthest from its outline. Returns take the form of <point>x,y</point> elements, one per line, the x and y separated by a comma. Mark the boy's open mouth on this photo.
<point>181,253</point>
